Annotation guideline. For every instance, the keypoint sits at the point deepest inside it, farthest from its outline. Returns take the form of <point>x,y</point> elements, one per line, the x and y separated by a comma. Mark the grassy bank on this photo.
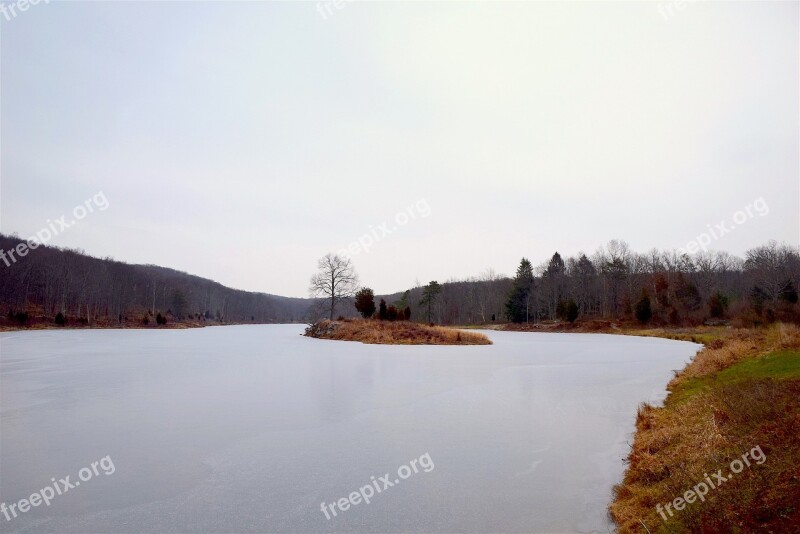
<point>394,333</point>
<point>740,392</point>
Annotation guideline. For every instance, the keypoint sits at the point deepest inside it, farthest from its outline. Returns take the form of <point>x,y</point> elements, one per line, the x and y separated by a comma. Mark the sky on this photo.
<point>242,141</point>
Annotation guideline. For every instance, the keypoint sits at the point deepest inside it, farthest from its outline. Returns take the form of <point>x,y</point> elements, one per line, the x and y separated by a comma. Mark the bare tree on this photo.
<point>335,281</point>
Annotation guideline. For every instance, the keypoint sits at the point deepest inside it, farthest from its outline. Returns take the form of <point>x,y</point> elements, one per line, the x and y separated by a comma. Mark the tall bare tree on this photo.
<point>335,281</point>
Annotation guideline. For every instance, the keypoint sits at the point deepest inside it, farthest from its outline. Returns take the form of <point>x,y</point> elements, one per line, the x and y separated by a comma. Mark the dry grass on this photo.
<point>394,333</point>
<point>741,391</point>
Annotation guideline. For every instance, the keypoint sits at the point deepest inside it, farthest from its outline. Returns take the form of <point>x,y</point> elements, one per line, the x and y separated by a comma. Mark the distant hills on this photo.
<point>49,280</point>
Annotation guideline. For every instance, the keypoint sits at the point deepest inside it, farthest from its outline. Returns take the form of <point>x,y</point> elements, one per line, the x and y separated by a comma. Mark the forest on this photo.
<point>614,283</point>
<point>50,281</point>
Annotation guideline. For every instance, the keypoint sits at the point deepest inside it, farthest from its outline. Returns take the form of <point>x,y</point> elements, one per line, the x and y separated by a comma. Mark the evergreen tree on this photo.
<point>365,302</point>
<point>717,305</point>
<point>643,310</point>
<point>402,304</point>
<point>429,294</point>
<point>383,314</point>
<point>789,293</point>
<point>567,310</point>
<point>519,299</point>
<point>179,303</point>
<point>572,311</point>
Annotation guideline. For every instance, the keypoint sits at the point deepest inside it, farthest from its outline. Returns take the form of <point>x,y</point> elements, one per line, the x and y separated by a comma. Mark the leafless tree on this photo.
<point>336,280</point>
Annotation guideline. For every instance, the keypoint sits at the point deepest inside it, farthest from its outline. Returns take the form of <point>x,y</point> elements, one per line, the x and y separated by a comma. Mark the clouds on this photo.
<point>268,131</point>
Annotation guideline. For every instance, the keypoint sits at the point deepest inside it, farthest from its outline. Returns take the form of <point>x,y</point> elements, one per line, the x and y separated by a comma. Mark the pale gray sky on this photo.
<point>241,141</point>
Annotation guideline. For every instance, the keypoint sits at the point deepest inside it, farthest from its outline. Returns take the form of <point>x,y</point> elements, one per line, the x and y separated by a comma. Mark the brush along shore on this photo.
<point>722,453</point>
<point>372,331</point>
<point>686,471</point>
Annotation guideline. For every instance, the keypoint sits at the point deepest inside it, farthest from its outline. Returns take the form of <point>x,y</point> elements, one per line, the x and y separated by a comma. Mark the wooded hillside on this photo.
<point>49,280</point>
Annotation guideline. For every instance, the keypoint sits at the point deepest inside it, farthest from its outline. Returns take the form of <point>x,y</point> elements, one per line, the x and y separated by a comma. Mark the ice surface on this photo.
<point>251,428</point>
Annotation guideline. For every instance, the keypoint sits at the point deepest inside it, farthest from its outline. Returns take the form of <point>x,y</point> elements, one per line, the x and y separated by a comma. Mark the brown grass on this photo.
<point>394,333</point>
<point>704,425</point>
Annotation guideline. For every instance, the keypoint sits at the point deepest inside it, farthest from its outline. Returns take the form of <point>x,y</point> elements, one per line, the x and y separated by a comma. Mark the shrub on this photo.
<point>365,302</point>
<point>572,311</point>
<point>383,313</point>
<point>717,305</point>
<point>21,317</point>
<point>160,319</point>
<point>789,293</point>
<point>391,313</point>
<point>567,310</point>
<point>146,320</point>
<point>60,319</point>
<point>643,310</point>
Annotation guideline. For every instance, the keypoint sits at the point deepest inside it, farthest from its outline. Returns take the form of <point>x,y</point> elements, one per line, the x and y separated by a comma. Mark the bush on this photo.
<point>160,319</point>
<point>21,317</point>
<point>146,319</point>
<point>365,302</point>
<point>717,305</point>
<point>567,310</point>
<point>391,313</point>
<point>60,319</point>
<point>643,310</point>
<point>383,313</point>
<point>789,293</point>
<point>572,311</point>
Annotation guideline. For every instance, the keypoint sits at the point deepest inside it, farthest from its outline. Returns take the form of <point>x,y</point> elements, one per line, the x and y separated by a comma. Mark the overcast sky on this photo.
<point>242,141</point>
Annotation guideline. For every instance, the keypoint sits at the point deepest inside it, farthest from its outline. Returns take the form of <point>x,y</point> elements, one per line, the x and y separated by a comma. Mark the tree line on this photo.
<point>50,281</point>
<point>616,283</point>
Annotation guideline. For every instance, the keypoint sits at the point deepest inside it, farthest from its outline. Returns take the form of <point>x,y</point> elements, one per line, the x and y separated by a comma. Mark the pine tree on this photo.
<point>429,294</point>
<point>518,305</point>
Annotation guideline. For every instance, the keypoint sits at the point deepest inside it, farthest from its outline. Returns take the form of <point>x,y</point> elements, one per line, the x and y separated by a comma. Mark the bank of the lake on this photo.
<point>740,395</point>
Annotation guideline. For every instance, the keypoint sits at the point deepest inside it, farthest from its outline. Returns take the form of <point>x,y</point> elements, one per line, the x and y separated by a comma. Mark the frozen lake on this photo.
<point>252,428</point>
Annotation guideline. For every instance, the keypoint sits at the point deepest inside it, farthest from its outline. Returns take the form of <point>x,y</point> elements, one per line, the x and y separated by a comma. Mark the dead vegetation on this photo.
<point>741,391</point>
<point>393,333</point>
